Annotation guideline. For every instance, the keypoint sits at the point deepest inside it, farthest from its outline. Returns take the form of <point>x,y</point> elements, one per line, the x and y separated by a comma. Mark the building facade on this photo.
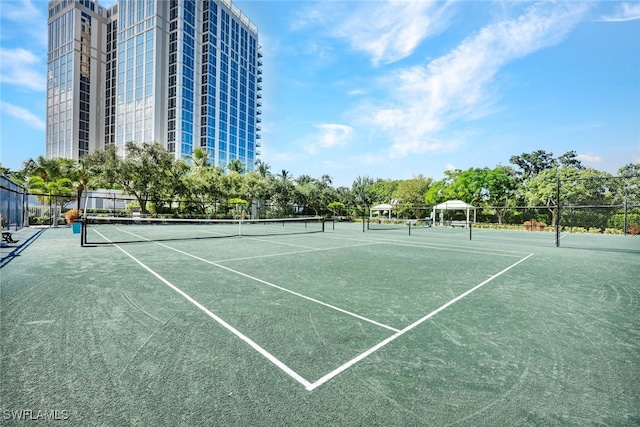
<point>183,73</point>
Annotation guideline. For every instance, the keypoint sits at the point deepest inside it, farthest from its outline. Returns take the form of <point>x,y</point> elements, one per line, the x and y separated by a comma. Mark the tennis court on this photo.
<point>328,325</point>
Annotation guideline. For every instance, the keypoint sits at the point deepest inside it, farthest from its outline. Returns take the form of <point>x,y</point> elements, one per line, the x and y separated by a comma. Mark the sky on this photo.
<point>393,89</point>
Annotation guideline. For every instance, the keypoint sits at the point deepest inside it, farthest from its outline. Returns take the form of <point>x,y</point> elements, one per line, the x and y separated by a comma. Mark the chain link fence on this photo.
<point>13,204</point>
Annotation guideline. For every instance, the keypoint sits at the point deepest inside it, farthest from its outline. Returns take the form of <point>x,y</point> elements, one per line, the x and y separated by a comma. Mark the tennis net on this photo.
<point>115,230</point>
<point>374,224</point>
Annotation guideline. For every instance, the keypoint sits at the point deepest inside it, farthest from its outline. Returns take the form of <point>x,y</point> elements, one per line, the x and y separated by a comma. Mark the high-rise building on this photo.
<point>183,73</point>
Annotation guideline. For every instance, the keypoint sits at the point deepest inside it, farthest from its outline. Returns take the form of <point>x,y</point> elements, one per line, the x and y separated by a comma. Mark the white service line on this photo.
<point>308,385</point>
<point>264,282</point>
<point>378,346</point>
<point>439,246</point>
<point>295,252</point>
<point>293,374</point>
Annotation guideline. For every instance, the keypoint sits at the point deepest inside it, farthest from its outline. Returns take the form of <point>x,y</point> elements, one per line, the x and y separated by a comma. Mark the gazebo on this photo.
<point>381,208</point>
<point>454,205</point>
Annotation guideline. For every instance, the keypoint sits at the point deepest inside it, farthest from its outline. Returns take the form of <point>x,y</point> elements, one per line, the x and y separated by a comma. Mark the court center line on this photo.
<point>398,334</point>
<point>264,282</point>
<point>293,374</point>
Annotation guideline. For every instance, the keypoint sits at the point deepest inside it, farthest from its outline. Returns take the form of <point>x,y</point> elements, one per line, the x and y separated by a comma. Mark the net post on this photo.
<point>363,220</point>
<point>83,231</point>
<point>470,227</point>
<point>323,222</point>
<point>409,223</point>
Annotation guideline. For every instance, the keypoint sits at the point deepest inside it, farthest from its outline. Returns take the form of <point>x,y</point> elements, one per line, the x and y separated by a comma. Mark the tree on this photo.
<point>256,189</point>
<point>382,190</point>
<point>531,164</point>
<point>50,178</point>
<point>283,191</point>
<point>146,173</point>
<point>235,165</point>
<point>363,194</point>
<point>578,187</point>
<point>263,168</point>
<point>104,167</point>
<point>629,191</point>
<point>411,193</point>
<point>501,190</point>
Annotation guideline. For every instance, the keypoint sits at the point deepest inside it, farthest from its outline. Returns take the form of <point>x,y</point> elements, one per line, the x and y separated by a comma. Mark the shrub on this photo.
<point>72,215</point>
<point>612,231</point>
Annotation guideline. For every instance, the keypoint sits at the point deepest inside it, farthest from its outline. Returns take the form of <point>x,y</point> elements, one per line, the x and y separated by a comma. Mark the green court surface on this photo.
<point>341,327</point>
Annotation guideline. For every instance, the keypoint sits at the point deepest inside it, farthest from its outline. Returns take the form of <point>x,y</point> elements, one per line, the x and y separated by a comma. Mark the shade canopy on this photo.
<point>454,205</point>
<point>381,208</point>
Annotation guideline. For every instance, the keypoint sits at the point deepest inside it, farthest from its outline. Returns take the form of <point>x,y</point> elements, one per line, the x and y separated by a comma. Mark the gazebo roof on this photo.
<point>453,204</point>
<point>382,207</point>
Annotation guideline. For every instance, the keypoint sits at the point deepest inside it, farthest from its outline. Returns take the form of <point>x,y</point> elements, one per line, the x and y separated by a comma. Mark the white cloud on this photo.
<point>330,135</point>
<point>24,23</point>
<point>392,30</point>
<point>589,158</point>
<point>23,115</point>
<point>457,85</point>
<point>22,10</point>
<point>450,167</point>
<point>22,68</point>
<point>624,12</point>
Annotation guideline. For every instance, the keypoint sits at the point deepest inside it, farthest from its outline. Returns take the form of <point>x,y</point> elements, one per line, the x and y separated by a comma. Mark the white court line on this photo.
<point>293,374</point>
<point>441,247</point>
<point>296,252</point>
<point>308,385</point>
<point>264,282</point>
<point>378,346</point>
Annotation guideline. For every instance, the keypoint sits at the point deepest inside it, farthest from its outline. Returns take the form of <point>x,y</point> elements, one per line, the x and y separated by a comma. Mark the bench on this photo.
<point>455,224</point>
<point>7,237</point>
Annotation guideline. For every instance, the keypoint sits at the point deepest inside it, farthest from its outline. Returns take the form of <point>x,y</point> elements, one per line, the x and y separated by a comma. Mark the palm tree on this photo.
<point>327,179</point>
<point>262,168</point>
<point>304,180</point>
<point>285,175</point>
<point>235,165</point>
<point>200,158</point>
<point>282,191</point>
<point>50,178</point>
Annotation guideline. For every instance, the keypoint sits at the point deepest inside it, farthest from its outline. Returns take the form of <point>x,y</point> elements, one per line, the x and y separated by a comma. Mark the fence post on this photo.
<point>624,215</point>
<point>558,206</point>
